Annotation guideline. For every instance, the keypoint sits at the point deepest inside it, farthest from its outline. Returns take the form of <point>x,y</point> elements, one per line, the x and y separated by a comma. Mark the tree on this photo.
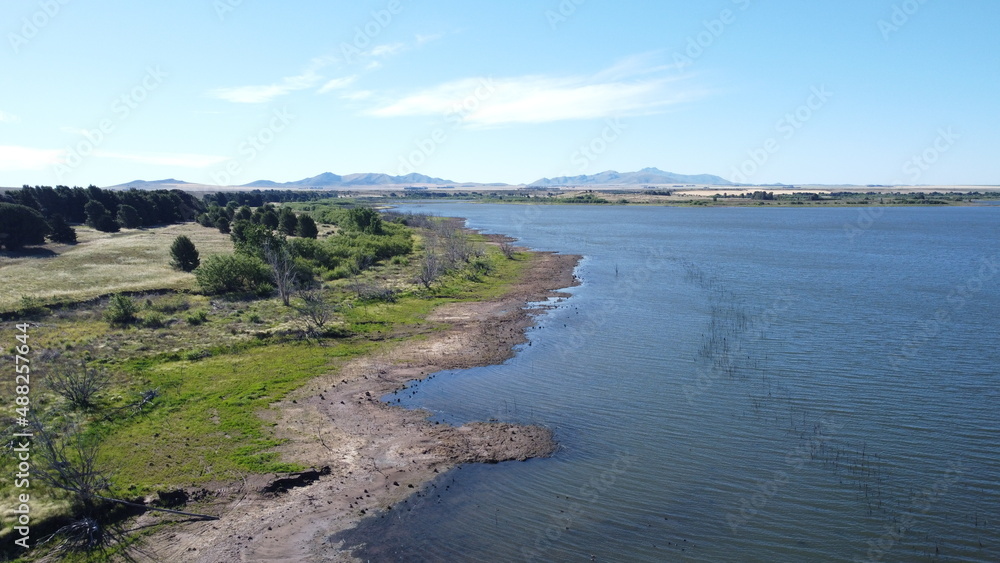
<point>315,309</point>
<point>121,310</point>
<point>507,248</point>
<point>60,231</point>
<point>184,254</point>
<point>223,225</point>
<point>364,219</point>
<point>225,273</point>
<point>251,238</point>
<point>266,216</point>
<point>287,221</point>
<point>20,226</point>
<point>99,218</point>
<point>243,214</point>
<point>307,227</point>
<point>283,270</point>
<point>430,270</point>
<point>78,385</point>
<point>128,217</point>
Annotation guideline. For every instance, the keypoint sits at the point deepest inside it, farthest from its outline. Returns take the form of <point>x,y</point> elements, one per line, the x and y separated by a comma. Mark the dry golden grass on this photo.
<point>102,263</point>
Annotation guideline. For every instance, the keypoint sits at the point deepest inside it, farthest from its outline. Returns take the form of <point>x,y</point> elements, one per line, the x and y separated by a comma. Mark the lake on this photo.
<point>733,384</point>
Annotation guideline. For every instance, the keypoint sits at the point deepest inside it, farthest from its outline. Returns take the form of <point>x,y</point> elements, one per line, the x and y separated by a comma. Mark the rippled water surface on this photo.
<point>734,385</point>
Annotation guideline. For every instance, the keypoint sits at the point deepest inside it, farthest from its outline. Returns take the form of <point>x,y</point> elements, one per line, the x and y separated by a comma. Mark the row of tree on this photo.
<point>29,215</point>
<point>284,220</point>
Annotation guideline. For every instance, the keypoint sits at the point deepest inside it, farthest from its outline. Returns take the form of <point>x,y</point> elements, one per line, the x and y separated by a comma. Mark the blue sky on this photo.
<point>232,91</point>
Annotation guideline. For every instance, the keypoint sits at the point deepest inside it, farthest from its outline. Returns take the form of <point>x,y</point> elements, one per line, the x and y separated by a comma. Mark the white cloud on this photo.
<point>421,39</point>
<point>338,83</point>
<point>165,159</point>
<point>8,117</point>
<point>387,50</point>
<point>630,87</point>
<point>27,158</point>
<point>265,93</point>
<point>358,95</point>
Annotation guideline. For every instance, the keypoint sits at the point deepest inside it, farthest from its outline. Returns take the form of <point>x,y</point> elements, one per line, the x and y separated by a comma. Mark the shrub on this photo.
<point>78,385</point>
<point>225,273</point>
<point>184,254</point>
<point>121,310</point>
<point>154,319</point>
<point>197,317</point>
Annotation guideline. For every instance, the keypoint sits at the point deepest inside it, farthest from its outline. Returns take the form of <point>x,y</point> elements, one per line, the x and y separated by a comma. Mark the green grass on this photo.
<point>103,263</point>
<point>206,426</point>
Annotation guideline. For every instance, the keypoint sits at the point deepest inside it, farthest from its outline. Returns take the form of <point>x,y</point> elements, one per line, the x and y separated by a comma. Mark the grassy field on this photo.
<point>217,362</point>
<point>102,263</point>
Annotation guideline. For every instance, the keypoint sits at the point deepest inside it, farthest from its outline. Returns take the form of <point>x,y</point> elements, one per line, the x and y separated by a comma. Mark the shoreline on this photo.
<point>366,455</point>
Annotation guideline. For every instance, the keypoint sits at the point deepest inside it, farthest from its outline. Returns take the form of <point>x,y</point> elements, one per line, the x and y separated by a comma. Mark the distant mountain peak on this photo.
<point>650,176</point>
<point>331,180</point>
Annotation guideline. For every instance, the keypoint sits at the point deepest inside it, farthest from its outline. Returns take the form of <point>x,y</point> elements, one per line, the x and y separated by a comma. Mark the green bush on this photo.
<point>226,273</point>
<point>197,317</point>
<point>31,307</point>
<point>154,319</point>
<point>121,310</point>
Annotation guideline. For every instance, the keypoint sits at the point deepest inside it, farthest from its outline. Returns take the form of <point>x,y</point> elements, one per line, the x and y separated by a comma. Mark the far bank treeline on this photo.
<point>31,215</point>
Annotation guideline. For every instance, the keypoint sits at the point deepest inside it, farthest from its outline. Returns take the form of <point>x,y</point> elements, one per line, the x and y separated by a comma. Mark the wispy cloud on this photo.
<point>260,94</point>
<point>8,117</point>
<point>165,159</point>
<point>27,158</point>
<point>421,39</point>
<point>630,87</point>
<point>338,83</point>
<point>387,50</point>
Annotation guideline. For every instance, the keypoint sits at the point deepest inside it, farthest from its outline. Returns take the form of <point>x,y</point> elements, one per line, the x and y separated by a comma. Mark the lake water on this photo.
<point>734,385</point>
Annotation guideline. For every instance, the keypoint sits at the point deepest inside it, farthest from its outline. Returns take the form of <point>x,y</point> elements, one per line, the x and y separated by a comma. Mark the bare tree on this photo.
<point>78,385</point>
<point>507,247</point>
<point>316,310</point>
<point>430,269</point>
<point>282,270</point>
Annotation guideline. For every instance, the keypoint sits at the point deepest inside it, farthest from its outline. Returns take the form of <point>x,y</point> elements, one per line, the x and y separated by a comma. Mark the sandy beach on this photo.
<point>366,455</point>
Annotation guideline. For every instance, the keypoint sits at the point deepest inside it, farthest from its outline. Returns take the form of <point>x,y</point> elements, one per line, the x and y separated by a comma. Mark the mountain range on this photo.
<point>331,180</point>
<point>646,176</point>
<point>649,176</point>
